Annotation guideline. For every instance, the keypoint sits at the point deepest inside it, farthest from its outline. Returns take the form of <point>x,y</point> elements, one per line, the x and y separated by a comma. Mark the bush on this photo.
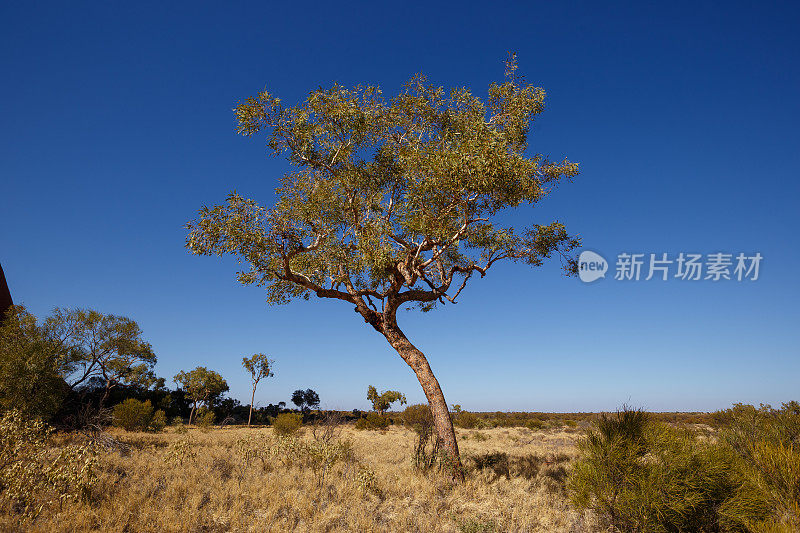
<point>204,419</point>
<point>133,415</point>
<point>765,445</point>
<point>640,475</point>
<point>34,474</point>
<point>466,420</point>
<point>158,422</point>
<point>535,424</point>
<point>286,424</point>
<point>373,421</point>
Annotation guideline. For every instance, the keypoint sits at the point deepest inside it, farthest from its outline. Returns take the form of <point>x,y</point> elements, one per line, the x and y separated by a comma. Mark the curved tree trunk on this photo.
<point>433,392</point>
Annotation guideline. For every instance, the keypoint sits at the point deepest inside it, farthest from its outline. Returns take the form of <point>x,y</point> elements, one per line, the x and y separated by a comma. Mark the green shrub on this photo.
<point>535,424</point>
<point>158,422</point>
<point>133,415</point>
<point>765,445</point>
<point>204,419</point>
<point>33,474</point>
<point>286,424</point>
<point>373,421</point>
<point>466,420</point>
<point>640,475</point>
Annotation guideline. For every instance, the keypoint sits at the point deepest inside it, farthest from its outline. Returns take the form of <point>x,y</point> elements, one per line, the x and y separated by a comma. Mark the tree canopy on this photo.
<point>31,368</point>
<point>100,346</point>
<point>201,384</point>
<point>391,200</point>
<point>381,402</point>
<point>305,399</point>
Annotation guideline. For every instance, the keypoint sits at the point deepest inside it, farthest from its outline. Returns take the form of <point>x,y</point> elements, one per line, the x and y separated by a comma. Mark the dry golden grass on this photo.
<point>215,491</point>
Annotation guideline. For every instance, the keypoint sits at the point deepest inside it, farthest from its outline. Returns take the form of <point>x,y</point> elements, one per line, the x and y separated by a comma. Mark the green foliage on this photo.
<point>372,421</point>
<point>259,366</point>
<point>535,424</point>
<point>396,199</point>
<point>133,415</point>
<point>201,385</point>
<point>305,399</point>
<point>466,420</point>
<point>287,424</point>
<point>31,366</point>
<point>765,445</point>
<point>33,474</point>
<point>96,345</point>
<point>381,402</point>
<point>205,419</point>
<point>640,475</point>
<point>158,422</point>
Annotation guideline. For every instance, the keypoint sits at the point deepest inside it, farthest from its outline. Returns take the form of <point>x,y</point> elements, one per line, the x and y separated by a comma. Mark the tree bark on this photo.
<point>433,392</point>
<point>191,413</point>
<point>252,399</point>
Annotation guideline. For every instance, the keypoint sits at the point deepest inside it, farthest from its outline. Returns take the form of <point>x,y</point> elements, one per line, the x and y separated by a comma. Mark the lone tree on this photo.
<point>201,386</point>
<point>259,367</point>
<point>391,202</point>
<point>305,400</point>
<point>381,402</point>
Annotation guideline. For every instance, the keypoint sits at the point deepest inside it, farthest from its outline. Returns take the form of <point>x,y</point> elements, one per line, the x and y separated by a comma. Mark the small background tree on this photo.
<point>201,386</point>
<point>259,366</point>
<point>381,402</point>
<point>305,400</point>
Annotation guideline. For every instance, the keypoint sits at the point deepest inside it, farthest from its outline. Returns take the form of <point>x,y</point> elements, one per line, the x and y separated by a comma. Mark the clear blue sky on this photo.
<point>117,126</point>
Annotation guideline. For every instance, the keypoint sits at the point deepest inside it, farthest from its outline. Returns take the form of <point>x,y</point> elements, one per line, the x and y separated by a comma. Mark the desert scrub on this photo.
<point>372,421</point>
<point>205,419</point>
<point>637,475</point>
<point>479,436</point>
<point>286,424</point>
<point>764,444</point>
<point>34,474</point>
<point>466,420</point>
<point>134,415</point>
